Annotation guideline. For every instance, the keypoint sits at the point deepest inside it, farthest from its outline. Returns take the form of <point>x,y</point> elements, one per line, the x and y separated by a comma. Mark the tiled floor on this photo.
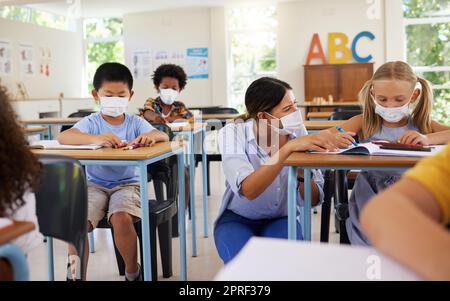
<point>102,263</point>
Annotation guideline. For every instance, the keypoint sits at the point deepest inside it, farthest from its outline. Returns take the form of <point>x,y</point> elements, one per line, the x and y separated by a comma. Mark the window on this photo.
<point>252,40</point>
<point>427,27</point>
<point>103,43</point>
<point>34,16</point>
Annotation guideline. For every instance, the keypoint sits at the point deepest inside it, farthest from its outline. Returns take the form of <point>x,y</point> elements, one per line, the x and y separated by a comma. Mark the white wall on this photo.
<point>67,59</point>
<point>298,21</point>
<point>169,30</point>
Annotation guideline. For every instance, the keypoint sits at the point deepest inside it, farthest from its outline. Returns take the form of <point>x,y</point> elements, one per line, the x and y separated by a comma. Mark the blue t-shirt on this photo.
<point>130,129</point>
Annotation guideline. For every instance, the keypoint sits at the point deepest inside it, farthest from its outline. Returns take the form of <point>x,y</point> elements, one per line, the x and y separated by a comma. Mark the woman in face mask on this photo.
<point>169,81</point>
<point>253,152</point>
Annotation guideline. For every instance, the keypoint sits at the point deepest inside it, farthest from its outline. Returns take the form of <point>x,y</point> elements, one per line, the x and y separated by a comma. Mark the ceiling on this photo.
<point>102,8</point>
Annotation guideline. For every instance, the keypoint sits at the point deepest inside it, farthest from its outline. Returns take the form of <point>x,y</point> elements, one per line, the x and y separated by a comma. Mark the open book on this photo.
<point>54,144</point>
<point>377,150</point>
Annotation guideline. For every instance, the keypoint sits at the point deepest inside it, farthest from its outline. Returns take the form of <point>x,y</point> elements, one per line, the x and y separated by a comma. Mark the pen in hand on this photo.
<point>344,132</point>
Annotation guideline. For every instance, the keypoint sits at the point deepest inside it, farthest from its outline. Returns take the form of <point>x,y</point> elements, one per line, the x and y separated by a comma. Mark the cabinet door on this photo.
<point>321,81</point>
<point>352,78</point>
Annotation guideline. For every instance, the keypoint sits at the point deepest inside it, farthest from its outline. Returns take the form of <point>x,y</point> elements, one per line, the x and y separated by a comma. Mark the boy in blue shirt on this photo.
<point>113,190</point>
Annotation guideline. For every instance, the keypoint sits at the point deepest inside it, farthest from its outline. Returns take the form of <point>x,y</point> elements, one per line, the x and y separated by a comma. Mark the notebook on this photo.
<point>377,150</point>
<point>178,124</point>
<point>54,144</point>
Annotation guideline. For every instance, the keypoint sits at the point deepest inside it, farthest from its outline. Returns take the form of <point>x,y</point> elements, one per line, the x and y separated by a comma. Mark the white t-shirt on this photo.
<point>28,213</point>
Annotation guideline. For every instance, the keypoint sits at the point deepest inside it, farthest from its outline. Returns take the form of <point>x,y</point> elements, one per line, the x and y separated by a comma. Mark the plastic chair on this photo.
<point>344,115</point>
<point>348,108</point>
<point>61,205</point>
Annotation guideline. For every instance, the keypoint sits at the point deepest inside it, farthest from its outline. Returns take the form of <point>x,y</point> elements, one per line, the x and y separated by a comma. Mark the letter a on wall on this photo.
<point>334,48</point>
<point>316,55</point>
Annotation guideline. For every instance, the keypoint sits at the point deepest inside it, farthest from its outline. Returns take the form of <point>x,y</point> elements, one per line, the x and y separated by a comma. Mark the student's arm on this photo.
<point>403,222</point>
<point>440,134</point>
<point>353,125</point>
<point>154,117</point>
<point>74,136</point>
<point>150,138</point>
<point>258,181</point>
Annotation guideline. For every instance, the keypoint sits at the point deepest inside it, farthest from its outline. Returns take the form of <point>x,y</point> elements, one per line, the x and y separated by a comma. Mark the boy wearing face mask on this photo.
<point>113,190</point>
<point>169,81</point>
<point>389,114</point>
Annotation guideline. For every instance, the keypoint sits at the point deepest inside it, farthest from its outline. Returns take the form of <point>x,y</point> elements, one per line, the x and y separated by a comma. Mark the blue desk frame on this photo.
<point>305,212</point>
<point>142,164</point>
<point>17,259</point>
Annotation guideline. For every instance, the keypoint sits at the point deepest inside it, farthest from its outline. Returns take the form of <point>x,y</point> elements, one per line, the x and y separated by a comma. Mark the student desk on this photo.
<point>301,261</point>
<point>50,122</point>
<point>311,106</point>
<point>141,158</point>
<point>13,253</point>
<point>221,117</point>
<point>318,125</point>
<point>319,115</point>
<point>337,162</point>
<point>36,130</point>
<point>189,131</point>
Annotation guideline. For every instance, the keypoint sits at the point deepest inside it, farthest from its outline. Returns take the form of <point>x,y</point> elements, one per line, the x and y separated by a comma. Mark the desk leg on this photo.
<point>205,185</point>
<point>182,216</point>
<point>192,193</point>
<point>292,200</point>
<point>91,242</point>
<point>49,133</point>
<point>307,205</point>
<point>17,259</point>
<point>146,250</point>
<point>51,268</point>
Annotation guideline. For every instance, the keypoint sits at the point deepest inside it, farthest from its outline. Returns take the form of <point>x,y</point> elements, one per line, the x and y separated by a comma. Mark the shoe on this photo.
<point>138,278</point>
<point>72,262</point>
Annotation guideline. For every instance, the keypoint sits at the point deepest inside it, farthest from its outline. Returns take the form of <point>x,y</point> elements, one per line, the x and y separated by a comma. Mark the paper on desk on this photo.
<point>266,259</point>
<point>5,222</point>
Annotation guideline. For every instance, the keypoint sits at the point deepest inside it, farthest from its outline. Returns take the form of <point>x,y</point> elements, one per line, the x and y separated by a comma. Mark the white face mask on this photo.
<point>168,96</point>
<point>392,114</point>
<point>291,123</point>
<point>113,106</point>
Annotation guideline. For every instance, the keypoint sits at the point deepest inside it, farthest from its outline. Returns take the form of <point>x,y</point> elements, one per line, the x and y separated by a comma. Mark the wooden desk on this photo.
<point>51,121</point>
<point>141,158</point>
<point>313,106</point>
<point>318,125</point>
<point>219,116</point>
<point>15,230</point>
<point>35,130</point>
<point>319,115</point>
<point>12,253</point>
<point>337,162</point>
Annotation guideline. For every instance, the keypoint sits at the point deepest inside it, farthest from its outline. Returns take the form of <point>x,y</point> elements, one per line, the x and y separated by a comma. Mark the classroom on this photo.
<point>224,140</point>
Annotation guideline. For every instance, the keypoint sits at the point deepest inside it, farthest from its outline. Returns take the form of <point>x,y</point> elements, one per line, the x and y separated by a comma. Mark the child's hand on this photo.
<point>143,140</point>
<point>322,141</point>
<point>413,137</point>
<point>108,140</point>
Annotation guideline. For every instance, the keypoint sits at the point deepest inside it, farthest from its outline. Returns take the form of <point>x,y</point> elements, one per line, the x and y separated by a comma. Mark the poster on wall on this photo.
<point>5,58</point>
<point>27,60</point>
<point>142,64</point>
<point>176,57</point>
<point>45,59</point>
<point>197,62</point>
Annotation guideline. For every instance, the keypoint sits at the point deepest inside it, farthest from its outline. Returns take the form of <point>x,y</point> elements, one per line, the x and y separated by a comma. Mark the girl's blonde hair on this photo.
<point>397,70</point>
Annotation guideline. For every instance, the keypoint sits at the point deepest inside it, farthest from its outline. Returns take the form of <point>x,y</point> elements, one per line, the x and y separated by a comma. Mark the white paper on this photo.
<point>267,259</point>
<point>27,60</point>
<point>142,64</point>
<point>176,57</point>
<point>197,62</point>
<point>54,144</point>
<point>5,58</point>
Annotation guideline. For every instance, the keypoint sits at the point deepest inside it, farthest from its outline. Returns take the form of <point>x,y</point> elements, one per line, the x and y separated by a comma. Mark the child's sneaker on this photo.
<point>72,267</point>
<point>138,277</point>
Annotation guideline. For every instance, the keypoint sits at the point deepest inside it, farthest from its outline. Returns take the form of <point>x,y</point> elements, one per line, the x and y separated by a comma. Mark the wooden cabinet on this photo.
<point>342,81</point>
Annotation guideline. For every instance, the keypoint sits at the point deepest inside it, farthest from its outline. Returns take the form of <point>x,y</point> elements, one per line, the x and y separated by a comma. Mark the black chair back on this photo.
<point>348,108</point>
<point>219,110</point>
<point>62,201</point>
<point>79,114</point>
<point>344,115</point>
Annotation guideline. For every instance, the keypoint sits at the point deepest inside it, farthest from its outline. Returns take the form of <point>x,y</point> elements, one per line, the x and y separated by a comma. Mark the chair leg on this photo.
<point>165,246</point>
<point>209,176</point>
<point>119,259</point>
<point>154,255</point>
<point>91,242</point>
<point>159,190</point>
<point>341,195</point>
<point>326,207</point>
<point>138,229</point>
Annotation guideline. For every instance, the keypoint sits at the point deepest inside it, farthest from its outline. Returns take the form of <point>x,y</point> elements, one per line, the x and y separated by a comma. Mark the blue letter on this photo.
<point>355,41</point>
